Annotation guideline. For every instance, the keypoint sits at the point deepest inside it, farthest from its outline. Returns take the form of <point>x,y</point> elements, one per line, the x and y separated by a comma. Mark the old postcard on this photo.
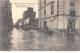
<point>39,25</point>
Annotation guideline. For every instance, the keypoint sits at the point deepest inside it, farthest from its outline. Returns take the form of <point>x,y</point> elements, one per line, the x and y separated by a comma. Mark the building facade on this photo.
<point>59,15</point>
<point>6,22</point>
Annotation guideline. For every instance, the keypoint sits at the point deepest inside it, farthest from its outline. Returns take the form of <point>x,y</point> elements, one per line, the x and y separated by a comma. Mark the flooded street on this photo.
<point>33,40</point>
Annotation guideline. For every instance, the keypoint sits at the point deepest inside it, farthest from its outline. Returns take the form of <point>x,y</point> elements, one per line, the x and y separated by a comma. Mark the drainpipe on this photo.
<point>63,19</point>
<point>57,13</point>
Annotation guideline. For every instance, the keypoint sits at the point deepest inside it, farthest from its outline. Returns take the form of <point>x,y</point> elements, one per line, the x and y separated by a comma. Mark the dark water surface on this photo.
<point>33,40</point>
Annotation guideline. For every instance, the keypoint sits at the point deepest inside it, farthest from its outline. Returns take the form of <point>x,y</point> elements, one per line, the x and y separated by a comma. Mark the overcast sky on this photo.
<point>19,6</point>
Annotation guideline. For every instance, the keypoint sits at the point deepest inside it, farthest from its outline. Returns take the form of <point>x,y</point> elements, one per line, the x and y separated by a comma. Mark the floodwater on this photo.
<point>34,40</point>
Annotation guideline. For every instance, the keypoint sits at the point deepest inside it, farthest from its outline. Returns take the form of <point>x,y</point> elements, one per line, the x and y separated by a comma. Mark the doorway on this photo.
<point>71,25</point>
<point>45,24</point>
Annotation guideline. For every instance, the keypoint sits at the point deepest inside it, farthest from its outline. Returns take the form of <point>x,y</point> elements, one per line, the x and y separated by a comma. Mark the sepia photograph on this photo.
<point>39,25</point>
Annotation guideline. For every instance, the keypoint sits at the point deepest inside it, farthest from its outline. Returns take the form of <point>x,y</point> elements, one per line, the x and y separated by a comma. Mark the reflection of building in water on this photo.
<point>5,17</point>
<point>59,14</point>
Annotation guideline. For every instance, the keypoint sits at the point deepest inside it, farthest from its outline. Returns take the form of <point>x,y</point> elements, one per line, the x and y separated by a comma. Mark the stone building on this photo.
<point>56,15</point>
<point>30,14</point>
<point>6,23</point>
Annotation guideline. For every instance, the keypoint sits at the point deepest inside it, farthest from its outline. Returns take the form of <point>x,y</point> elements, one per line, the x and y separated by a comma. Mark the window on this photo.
<point>52,9</point>
<point>52,2</point>
<point>72,4</point>
<point>40,15</point>
<point>40,3</point>
<point>44,12</point>
<point>40,24</point>
<point>44,2</point>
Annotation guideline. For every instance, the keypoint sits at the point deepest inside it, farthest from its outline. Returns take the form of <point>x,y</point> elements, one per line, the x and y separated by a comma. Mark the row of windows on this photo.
<point>44,2</point>
<point>52,7</point>
<point>52,23</point>
<point>52,10</point>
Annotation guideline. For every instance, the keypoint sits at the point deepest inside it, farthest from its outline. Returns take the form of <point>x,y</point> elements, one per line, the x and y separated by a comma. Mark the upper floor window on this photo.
<point>52,2</point>
<point>72,4</point>
<point>40,3</point>
<point>52,7</point>
<point>40,15</point>
<point>44,2</point>
<point>45,12</point>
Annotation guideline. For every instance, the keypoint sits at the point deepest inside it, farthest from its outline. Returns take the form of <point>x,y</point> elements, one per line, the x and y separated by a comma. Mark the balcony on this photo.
<point>72,13</point>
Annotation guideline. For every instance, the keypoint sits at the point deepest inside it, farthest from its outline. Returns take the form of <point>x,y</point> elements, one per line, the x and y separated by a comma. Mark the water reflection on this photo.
<point>17,39</point>
<point>6,41</point>
<point>33,40</point>
<point>70,41</point>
